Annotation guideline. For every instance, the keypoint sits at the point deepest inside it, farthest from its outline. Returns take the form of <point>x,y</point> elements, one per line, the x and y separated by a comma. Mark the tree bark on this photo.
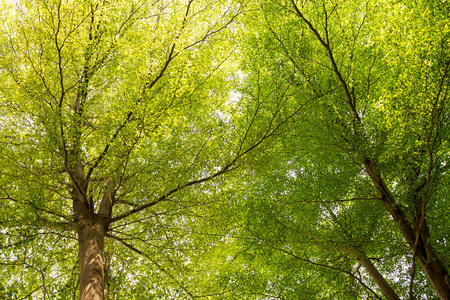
<point>91,237</point>
<point>91,231</point>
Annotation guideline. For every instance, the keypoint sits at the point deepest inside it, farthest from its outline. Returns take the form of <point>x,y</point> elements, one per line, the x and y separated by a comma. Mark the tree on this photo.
<point>110,112</point>
<point>304,148</point>
<point>359,180</point>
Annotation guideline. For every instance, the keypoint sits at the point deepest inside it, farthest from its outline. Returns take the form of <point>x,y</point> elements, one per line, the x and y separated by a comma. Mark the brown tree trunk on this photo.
<point>437,277</point>
<point>431,265</point>
<point>91,238</point>
<point>91,231</point>
<point>384,286</point>
<point>424,253</point>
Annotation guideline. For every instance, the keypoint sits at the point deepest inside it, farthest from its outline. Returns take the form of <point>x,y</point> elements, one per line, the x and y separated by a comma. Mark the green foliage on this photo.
<point>310,202</point>
<point>133,91</point>
<point>245,144</point>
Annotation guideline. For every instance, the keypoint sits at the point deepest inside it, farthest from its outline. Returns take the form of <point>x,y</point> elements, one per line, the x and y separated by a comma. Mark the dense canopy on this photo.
<point>257,149</point>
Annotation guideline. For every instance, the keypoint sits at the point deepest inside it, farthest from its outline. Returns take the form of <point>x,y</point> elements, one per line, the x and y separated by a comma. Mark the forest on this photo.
<point>229,149</point>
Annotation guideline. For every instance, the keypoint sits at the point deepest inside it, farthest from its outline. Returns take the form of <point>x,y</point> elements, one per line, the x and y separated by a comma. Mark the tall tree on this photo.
<point>359,181</point>
<point>110,112</point>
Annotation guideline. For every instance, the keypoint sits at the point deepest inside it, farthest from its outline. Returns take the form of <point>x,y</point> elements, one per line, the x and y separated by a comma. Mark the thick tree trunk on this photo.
<point>91,237</point>
<point>91,231</point>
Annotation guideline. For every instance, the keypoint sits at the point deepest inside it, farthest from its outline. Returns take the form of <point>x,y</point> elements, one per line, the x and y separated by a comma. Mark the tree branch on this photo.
<point>350,100</point>
<point>133,249</point>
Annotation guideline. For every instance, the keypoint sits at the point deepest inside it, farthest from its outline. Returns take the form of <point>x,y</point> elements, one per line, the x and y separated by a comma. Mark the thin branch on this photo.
<point>28,296</point>
<point>227,168</point>
<point>128,119</point>
<point>130,247</point>
<point>315,263</point>
<point>350,100</point>
<point>209,33</point>
<point>60,225</point>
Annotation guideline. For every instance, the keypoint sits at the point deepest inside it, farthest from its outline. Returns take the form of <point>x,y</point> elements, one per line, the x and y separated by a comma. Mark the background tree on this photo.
<point>353,201</point>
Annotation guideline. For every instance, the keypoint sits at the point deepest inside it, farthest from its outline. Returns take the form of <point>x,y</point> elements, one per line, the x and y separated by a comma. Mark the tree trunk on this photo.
<point>424,253</point>
<point>437,277</point>
<point>431,265</point>
<point>91,231</point>
<point>384,286</point>
<point>91,238</point>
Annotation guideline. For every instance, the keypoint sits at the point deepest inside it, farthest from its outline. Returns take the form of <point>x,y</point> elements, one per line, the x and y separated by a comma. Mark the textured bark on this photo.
<point>384,286</point>
<point>107,200</point>
<point>91,231</point>
<point>91,241</point>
